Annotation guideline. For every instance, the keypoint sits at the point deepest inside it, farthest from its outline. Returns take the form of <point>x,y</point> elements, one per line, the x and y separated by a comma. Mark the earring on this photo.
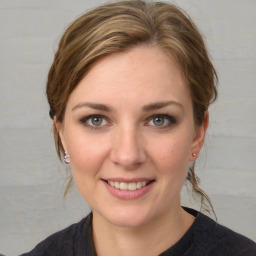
<point>194,154</point>
<point>66,156</point>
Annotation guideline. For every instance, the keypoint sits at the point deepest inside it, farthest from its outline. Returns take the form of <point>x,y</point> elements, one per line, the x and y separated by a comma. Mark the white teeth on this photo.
<point>127,186</point>
<point>123,186</point>
<point>132,186</point>
<point>116,184</point>
<point>138,185</point>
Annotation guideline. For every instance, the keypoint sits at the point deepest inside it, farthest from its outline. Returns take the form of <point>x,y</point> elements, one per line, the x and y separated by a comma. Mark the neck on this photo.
<point>149,239</point>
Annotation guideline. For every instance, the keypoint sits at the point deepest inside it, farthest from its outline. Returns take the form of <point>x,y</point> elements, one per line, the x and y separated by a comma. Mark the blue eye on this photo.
<point>161,120</point>
<point>94,121</point>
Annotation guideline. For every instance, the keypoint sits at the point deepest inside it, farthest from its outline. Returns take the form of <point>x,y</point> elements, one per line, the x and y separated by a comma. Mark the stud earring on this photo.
<point>194,154</point>
<point>66,156</point>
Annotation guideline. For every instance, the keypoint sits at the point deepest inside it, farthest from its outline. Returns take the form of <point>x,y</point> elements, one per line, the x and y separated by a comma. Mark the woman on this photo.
<point>129,91</point>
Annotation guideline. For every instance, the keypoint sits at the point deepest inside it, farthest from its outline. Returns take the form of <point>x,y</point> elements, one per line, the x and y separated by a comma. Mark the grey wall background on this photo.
<point>32,180</point>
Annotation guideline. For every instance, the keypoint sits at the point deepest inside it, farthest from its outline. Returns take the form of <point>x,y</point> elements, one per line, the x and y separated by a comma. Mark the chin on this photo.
<point>126,217</point>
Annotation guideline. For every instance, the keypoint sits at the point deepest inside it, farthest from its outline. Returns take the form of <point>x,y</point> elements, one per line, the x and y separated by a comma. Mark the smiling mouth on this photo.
<point>131,186</point>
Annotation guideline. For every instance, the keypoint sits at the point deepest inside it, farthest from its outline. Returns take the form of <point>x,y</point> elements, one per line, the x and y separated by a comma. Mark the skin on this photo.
<point>129,142</point>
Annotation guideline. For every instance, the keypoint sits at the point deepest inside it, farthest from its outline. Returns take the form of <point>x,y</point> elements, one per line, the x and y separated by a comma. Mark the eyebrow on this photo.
<point>149,107</point>
<point>159,105</point>
<point>92,105</point>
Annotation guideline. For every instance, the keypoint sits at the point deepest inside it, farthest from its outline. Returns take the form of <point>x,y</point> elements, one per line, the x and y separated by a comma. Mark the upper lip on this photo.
<point>128,180</point>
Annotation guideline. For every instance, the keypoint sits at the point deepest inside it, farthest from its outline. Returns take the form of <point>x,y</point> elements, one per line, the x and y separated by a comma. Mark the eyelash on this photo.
<point>86,119</point>
<point>170,121</point>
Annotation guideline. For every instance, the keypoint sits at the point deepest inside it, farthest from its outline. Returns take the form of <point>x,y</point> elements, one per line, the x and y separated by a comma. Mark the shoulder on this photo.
<point>222,241</point>
<point>60,243</point>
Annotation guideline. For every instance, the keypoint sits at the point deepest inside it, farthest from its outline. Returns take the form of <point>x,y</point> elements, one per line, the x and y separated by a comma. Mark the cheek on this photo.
<point>86,160</point>
<point>172,162</point>
<point>172,156</point>
<point>86,155</point>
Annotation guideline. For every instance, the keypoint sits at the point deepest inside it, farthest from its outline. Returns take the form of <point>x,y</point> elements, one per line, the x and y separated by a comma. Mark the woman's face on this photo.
<point>130,134</point>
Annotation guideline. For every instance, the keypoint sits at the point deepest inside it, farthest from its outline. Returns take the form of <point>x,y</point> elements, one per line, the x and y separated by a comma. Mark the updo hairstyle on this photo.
<point>119,26</point>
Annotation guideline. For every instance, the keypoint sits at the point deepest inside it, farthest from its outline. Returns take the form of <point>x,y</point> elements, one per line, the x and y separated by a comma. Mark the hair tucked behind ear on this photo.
<point>118,26</point>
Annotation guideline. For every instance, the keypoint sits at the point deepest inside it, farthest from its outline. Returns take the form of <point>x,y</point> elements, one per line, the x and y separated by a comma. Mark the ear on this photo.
<point>59,127</point>
<point>199,137</point>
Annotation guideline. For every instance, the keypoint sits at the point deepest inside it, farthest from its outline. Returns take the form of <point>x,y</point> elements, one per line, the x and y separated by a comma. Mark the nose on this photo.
<point>128,149</point>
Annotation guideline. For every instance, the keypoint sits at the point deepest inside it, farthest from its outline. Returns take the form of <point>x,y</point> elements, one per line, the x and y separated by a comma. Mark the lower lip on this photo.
<point>129,194</point>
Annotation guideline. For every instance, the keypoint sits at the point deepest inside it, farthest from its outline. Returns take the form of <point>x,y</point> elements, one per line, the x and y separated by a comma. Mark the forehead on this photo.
<point>141,74</point>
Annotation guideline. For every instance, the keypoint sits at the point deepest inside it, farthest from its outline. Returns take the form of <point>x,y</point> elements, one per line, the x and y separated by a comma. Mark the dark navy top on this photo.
<point>205,237</point>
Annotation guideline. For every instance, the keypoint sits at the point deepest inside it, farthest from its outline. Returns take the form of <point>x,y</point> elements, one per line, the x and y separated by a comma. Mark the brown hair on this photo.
<point>115,27</point>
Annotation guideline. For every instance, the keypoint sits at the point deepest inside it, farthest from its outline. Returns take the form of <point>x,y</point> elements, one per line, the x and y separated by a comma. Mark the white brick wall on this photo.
<point>32,180</point>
